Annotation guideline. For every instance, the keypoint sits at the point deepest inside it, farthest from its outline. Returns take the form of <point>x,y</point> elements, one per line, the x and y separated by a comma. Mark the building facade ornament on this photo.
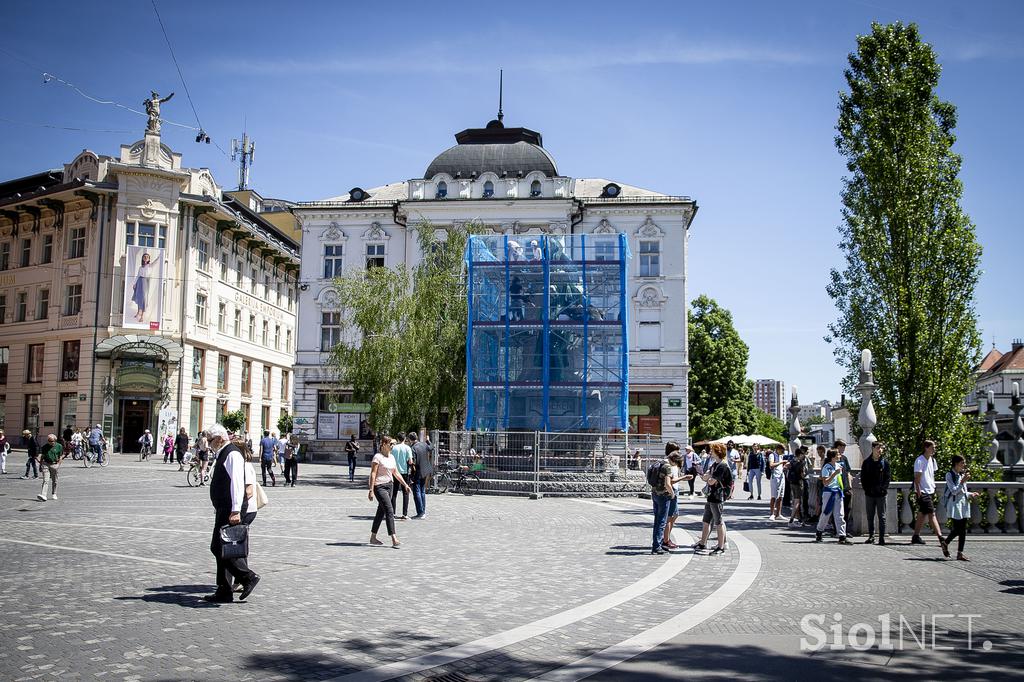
<point>650,296</point>
<point>376,233</point>
<point>650,229</point>
<point>604,227</point>
<point>333,233</point>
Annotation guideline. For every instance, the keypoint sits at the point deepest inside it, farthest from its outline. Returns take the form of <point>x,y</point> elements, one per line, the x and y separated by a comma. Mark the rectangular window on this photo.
<point>277,337</point>
<point>201,309</point>
<point>279,294</point>
<point>222,408</point>
<point>330,331</point>
<point>198,367</point>
<point>266,381</point>
<point>3,308</point>
<point>266,288</point>
<point>246,377</point>
<point>645,413</point>
<point>605,249</point>
<point>68,415</point>
<point>5,256</point>
<point>252,281</point>
<point>650,260</point>
<point>238,274</point>
<point>374,256</point>
<point>247,413</point>
<point>266,333</point>
<point>76,242</point>
<point>43,311</point>
<point>32,412</point>
<point>222,317</point>
<point>21,306</point>
<point>238,323</point>
<point>222,372</point>
<point>145,234</point>
<point>649,337</point>
<point>36,357</point>
<point>288,341</point>
<point>73,299</point>
<point>224,269</point>
<point>47,249</point>
<point>333,258</point>
<point>203,249</point>
<point>5,358</point>
<point>195,415</point>
<point>26,252</point>
<point>252,329</point>
<point>291,299</point>
<point>285,379</point>
<point>70,354</point>
<point>3,411</point>
<point>265,417</point>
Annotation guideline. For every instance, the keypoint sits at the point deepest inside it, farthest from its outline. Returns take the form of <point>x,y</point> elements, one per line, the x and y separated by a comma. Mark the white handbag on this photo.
<point>260,495</point>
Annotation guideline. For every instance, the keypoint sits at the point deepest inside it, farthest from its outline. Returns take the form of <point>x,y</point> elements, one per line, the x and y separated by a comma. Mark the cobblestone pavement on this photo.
<point>106,583</point>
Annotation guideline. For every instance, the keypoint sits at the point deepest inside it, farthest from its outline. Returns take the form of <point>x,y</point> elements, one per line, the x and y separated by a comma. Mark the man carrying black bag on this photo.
<point>227,492</point>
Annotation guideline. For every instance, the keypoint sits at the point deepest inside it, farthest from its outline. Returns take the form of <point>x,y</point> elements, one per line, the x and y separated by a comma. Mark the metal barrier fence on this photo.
<point>538,459</point>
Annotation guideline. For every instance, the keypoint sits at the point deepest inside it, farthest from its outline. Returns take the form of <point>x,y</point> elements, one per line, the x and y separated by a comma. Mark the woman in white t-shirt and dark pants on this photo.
<point>383,473</point>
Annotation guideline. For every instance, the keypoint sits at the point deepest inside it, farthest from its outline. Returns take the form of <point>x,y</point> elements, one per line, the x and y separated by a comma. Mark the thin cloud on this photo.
<point>436,60</point>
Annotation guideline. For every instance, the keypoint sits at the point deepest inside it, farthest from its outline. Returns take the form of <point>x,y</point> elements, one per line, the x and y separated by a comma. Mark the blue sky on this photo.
<point>733,104</point>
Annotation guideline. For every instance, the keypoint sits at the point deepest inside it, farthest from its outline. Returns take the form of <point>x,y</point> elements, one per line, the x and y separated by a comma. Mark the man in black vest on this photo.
<point>227,492</point>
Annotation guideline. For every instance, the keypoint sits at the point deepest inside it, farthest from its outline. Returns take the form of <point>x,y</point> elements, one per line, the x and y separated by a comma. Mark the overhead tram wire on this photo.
<point>181,76</point>
<point>58,127</point>
<point>50,76</point>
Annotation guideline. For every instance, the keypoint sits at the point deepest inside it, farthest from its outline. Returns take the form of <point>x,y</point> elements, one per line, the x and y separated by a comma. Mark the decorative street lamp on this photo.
<point>866,418</point>
<point>993,428</point>
<point>794,423</point>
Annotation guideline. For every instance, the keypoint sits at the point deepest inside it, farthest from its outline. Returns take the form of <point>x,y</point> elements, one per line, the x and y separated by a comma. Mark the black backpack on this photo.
<point>654,474</point>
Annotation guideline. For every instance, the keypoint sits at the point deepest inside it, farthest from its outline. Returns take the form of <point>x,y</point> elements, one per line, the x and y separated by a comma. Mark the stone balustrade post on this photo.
<point>1017,458</point>
<point>993,428</point>
<point>892,512</point>
<point>1011,515</point>
<point>992,513</point>
<point>975,516</point>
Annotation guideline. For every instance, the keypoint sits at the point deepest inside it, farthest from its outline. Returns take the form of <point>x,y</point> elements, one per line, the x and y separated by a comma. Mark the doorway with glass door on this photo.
<point>136,416</point>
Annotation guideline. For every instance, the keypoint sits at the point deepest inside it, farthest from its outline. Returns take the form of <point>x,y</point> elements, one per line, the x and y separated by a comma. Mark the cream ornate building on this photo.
<point>137,294</point>
<point>505,179</point>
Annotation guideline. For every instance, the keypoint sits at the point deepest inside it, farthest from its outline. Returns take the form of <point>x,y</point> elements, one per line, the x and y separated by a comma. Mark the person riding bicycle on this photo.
<point>96,442</point>
<point>77,443</point>
<point>202,455</point>
<point>146,440</point>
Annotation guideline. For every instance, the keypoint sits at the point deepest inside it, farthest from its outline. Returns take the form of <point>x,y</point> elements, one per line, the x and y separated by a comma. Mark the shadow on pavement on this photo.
<point>188,596</point>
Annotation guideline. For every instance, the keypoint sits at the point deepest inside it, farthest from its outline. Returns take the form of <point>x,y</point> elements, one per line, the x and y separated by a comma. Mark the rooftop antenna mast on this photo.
<point>244,152</point>
<point>501,88</point>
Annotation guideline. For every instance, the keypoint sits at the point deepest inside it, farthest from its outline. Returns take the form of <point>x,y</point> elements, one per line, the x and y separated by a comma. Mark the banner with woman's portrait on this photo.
<point>143,288</point>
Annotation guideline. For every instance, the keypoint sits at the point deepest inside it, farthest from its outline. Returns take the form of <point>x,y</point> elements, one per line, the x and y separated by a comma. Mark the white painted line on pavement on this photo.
<point>664,573</point>
<point>93,551</point>
<point>742,578</point>
<point>273,536</point>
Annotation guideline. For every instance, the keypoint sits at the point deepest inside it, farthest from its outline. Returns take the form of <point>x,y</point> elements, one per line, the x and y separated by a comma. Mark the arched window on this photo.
<point>442,190</point>
<point>535,188</point>
<point>488,189</point>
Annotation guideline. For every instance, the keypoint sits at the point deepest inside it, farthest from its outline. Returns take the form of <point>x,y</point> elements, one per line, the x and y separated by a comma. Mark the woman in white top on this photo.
<point>383,473</point>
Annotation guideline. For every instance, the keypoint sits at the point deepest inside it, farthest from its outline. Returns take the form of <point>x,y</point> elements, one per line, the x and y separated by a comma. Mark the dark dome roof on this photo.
<point>500,150</point>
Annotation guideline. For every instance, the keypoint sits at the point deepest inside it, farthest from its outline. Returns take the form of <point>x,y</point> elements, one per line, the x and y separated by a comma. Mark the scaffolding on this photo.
<point>547,339</point>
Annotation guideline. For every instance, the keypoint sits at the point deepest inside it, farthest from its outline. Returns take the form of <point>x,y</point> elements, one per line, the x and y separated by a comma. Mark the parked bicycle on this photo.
<point>456,478</point>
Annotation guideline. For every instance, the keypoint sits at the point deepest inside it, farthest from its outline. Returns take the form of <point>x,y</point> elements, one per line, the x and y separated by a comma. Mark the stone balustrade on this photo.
<point>997,510</point>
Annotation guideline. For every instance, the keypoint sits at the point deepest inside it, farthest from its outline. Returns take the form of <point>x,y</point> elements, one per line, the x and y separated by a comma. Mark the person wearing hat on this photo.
<point>52,454</point>
<point>690,462</point>
<point>33,454</point>
<point>4,448</point>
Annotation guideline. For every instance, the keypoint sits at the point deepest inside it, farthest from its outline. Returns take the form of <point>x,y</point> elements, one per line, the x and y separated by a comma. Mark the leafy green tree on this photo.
<point>285,424</point>
<point>404,335</point>
<point>233,421</point>
<point>912,257</point>
<point>721,396</point>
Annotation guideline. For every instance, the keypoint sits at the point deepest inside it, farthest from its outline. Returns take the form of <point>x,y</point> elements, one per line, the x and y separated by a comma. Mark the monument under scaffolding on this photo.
<point>547,340</point>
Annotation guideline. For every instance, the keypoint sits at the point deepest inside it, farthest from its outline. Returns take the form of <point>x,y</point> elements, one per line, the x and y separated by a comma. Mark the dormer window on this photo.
<point>488,189</point>
<point>535,188</point>
<point>611,190</point>
<point>442,190</point>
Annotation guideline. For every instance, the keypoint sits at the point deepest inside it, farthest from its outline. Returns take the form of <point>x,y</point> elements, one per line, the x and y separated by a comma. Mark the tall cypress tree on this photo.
<point>912,257</point>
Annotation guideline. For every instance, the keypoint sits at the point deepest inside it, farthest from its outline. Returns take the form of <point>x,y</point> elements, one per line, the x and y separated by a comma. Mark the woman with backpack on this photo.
<point>957,499</point>
<point>719,479</point>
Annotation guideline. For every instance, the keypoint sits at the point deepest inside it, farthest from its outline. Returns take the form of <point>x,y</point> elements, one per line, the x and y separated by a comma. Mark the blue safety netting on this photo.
<point>547,340</point>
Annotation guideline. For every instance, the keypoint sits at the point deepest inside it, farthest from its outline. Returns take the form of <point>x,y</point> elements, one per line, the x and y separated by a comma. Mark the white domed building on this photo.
<point>505,179</point>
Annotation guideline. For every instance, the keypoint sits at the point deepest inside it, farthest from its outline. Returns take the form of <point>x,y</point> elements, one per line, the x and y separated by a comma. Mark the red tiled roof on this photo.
<point>989,360</point>
<point>1012,360</point>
